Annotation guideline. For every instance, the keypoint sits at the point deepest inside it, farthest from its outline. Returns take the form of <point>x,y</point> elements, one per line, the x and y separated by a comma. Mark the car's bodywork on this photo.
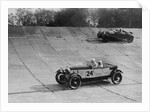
<point>75,75</point>
<point>116,35</point>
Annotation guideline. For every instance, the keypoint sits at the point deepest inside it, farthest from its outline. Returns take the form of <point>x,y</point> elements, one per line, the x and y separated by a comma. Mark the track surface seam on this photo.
<point>45,37</point>
<point>39,56</point>
<point>77,49</point>
<point>55,49</point>
<point>23,92</point>
<point>133,80</point>
<point>126,56</point>
<point>117,94</point>
<point>29,69</point>
<point>79,43</point>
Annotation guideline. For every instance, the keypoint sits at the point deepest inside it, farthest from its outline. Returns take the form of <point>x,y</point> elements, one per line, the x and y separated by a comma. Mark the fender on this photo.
<point>59,71</point>
<point>117,70</point>
<point>113,68</point>
<point>76,74</point>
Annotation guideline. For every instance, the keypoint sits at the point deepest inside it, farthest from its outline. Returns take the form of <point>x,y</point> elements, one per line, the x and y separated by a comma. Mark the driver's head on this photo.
<point>93,60</point>
<point>100,61</point>
<point>67,68</point>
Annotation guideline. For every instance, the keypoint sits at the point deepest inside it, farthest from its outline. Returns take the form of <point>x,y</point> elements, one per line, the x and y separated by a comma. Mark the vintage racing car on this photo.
<point>115,35</point>
<point>74,76</point>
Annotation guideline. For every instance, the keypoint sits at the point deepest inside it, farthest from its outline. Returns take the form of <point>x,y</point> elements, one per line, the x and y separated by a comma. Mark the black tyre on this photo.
<point>99,34</point>
<point>74,82</point>
<point>105,39</point>
<point>60,78</point>
<point>129,40</point>
<point>116,78</point>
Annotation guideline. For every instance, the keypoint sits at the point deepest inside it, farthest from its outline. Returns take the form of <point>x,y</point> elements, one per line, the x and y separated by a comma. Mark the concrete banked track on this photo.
<point>35,53</point>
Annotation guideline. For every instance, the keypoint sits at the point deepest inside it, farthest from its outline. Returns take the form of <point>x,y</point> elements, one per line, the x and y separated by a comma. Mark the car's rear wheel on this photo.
<point>129,40</point>
<point>60,78</point>
<point>105,39</point>
<point>99,35</point>
<point>74,81</point>
<point>116,77</point>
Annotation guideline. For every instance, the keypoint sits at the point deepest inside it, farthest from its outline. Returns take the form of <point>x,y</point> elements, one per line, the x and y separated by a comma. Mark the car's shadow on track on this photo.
<point>100,41</point>
<point>58,87</point>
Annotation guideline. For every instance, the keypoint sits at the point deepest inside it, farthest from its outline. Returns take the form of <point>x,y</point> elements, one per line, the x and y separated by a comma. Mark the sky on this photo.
<point>13,10</point>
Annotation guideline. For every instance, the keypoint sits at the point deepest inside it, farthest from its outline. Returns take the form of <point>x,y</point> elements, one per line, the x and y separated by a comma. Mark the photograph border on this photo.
<point>5,106</point>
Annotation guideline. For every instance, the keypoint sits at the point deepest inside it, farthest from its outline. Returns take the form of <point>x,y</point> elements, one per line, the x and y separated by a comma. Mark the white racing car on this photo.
<point>74,76</point>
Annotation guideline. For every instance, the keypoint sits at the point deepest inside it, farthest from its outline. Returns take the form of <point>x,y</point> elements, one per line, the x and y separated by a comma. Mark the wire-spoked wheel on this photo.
<point>60,78</point>
<point>116,77</point>
<point>74,82</point>
<point>129,40</point>
<point>105,39</point>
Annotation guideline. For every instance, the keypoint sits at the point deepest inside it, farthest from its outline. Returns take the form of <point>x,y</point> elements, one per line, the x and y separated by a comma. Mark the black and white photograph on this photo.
<point>71,55</point>
<point>74,56</point>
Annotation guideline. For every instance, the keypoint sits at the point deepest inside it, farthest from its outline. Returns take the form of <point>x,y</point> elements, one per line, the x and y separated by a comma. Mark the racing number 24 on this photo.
<point>89,73</point>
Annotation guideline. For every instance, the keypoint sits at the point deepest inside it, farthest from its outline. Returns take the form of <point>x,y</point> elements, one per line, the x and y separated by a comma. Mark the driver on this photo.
<point>94,64</point>
<point>67,70</point>
<point>100,63</point>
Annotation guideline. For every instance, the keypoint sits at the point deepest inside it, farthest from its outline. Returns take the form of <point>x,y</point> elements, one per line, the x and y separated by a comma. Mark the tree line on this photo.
<point>78,17</point>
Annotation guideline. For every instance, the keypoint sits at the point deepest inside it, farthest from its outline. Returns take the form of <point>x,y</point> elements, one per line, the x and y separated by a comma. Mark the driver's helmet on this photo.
<point>100,63</point>
<point>61,69</point>
<point>68,69</point>
<point>120,30</point>
<point>93,60</point>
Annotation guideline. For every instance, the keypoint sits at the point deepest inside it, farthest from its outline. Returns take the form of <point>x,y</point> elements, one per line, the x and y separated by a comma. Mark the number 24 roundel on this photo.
<point>89,73</point>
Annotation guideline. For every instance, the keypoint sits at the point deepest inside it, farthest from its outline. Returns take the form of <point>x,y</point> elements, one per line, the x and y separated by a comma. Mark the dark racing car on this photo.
<point>74,76</point>
<point>115,35</point>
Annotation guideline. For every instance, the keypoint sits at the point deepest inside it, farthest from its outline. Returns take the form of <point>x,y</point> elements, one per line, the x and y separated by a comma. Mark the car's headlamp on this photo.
<point>61,69</point>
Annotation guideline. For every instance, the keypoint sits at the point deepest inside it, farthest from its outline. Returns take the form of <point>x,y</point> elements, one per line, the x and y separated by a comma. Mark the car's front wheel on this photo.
<point>60,78</point>
<point>116,77</point>
<point>74,81</point>
<point>129,40</point>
